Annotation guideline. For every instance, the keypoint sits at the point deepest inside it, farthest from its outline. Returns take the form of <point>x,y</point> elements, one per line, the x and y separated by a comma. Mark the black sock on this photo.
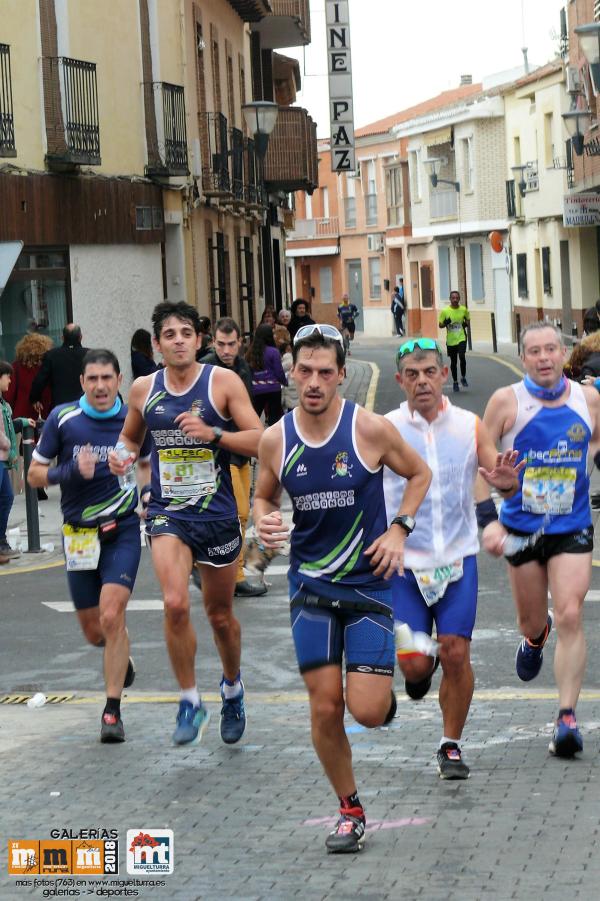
<point>350,801</point>
<point>566,711</point>
<point>541,638</point>
<point>113,705</point>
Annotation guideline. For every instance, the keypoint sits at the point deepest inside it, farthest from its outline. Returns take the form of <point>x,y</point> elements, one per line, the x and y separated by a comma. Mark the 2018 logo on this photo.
<point>150,851</point>
<point>73,857</point>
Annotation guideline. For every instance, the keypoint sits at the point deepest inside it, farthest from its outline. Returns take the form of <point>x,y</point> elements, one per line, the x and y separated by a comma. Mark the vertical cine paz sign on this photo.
<point>341,105</point>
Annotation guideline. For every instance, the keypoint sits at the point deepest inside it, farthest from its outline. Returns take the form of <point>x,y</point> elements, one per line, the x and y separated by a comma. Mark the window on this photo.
<point>546,274</point>
<point>7,125</point>
<point>218,275</point>
<point>325,204</point>
<point>477,285</point>
<point>309,209</point>
<point>548,139</point>
<point>371,195</point>
<point>393,190</point>
<point>326,284</point>
<point>415,174</point>
<point>522,275</point>
<point>511,199</point>
<point>375,277</point>
<point>143,218</point>
<point>444,267</point>
<point>246,283</point>
<point>467,158</point>
<point>350,202</point>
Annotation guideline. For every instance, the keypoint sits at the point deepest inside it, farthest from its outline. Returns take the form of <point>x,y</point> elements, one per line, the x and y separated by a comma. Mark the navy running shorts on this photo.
<point>118,565</point>
<point>324,633</point>
<point>217,542</point>
<point>547,546</point>
<point>453,614</point>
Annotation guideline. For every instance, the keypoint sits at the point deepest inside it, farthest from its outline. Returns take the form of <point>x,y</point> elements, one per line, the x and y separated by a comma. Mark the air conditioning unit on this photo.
<point>573,80</point>
<point>375,244</point>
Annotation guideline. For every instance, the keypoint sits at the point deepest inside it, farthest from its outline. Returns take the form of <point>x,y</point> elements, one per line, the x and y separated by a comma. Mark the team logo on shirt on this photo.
<point>341,467</point>
<point>197,408</point>
<point>577,432</point>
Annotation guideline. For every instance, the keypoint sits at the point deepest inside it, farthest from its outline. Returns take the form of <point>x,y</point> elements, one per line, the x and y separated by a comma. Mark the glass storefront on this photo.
<point>36,298</point>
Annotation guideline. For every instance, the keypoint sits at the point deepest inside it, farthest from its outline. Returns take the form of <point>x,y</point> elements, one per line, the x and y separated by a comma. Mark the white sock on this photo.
<point>231,691</point>
<point>191,695</point>
<point>445,740</point>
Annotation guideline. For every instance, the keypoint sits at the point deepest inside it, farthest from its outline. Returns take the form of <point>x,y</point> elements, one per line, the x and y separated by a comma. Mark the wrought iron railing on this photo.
<point>215,154</point>
<point>237,164</point>
<point>73,101</point>
<point>7,122</point>
<point>169,155</point>
<point>315,228</point>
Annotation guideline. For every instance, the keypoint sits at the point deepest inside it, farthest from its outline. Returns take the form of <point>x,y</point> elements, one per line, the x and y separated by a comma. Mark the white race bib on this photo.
<point>433,582</point>
<point>548,489</point>
<point>82,548</point>
<point>187,472</point>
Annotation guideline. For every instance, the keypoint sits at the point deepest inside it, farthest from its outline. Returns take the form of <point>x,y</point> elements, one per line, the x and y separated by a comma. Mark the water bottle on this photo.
<point>127,481</point>
<point>414,642</point>
<point>38,700</point>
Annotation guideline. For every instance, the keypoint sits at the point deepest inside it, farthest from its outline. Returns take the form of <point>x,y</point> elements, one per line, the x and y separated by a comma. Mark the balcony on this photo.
<point>71,104</point>
<point>7,122</point>
<point>216,181</point>
<point>291,162</point>
<point>315,228</point>
<point>287,26</point>
<point>167,154</point>
<point>443,204</point>
<point>371,209</point>
<point>251,10</point>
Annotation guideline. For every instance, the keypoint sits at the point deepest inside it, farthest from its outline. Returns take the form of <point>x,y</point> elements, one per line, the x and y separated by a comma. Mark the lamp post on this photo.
<point>433,165</point>
<point>577,122</point>
<point>260,117</point>
<point>589,41</point>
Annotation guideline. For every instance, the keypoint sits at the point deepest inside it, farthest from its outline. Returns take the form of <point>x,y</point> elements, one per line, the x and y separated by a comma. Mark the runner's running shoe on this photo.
<point>349,833</point>
<point>233,717</point>
<point>566,739</point>
<point>450,762</point>
<point>418,690</point>
<point>191,723</point>
<point>530,657</point>
<point>464,382</point>
<point>111,729</point>
<point>130,674</point>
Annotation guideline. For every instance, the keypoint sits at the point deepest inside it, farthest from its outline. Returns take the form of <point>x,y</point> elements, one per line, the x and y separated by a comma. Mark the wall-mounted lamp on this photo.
<point>521,183</point>
<point>433,167</point>
<point>260,116</point>
<point>589,41</point>
<point>577,123</point>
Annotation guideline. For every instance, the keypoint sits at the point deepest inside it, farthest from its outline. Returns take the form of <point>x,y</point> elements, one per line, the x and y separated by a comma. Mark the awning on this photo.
<point>9,254</point>
<point>434,138</point>
<point>328,251</point>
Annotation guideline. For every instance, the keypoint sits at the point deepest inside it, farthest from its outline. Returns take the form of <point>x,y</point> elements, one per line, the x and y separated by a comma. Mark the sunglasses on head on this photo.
<point>328,331</point>
<point>422,343</point>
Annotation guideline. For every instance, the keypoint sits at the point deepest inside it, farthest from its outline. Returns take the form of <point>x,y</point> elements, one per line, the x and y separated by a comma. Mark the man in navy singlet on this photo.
<point>101,527</point>
<point>551,422</point>
<point>189,408</point>
<point>329,454</point>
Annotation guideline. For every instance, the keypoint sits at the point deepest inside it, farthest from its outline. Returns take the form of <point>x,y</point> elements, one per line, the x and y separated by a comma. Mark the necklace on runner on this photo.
<point>552,393</point>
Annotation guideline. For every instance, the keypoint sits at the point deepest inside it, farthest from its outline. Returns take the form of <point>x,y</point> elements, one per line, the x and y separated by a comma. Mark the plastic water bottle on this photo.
<point>38,700</point>
<point>127,481</point>
<point>416,642</point>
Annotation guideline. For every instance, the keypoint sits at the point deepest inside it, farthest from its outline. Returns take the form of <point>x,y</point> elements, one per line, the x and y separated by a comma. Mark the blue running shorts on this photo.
<point>217,542</point>
<point>454,614</point>
<point>326,632</point>
<point>118,565</point>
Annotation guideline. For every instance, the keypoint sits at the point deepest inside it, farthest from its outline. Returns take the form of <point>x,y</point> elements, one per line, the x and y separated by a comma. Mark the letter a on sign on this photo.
<point>339,66</point>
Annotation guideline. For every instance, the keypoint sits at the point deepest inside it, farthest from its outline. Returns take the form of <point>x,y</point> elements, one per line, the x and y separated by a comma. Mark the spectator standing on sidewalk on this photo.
<point>456,319</point>
<point>142,356</point>
<point>61,370</point>
<point>300,316</point>
<point>9,456</point>
<point>398,308</point>
<point>268,376</point>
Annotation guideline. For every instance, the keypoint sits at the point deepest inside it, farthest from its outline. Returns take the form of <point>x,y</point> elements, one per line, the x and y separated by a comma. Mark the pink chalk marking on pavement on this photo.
<point>373,825</point>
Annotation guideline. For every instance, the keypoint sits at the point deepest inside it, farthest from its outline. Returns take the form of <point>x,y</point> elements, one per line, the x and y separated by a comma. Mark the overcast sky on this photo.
<point>404,51</point>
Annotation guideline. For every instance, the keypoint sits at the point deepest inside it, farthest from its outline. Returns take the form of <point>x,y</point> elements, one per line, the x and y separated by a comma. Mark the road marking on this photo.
<point>375,372</point>
<point>132,606</point>
<point>502,362</point>
<point>31,569</point>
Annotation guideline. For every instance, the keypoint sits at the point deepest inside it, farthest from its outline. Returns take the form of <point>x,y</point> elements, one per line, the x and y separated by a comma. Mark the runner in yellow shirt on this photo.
<point>455,318</point>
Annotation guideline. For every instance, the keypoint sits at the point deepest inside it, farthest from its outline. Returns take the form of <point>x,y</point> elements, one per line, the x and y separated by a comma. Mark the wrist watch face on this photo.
<point>407,522</point>
<point>218,433</point>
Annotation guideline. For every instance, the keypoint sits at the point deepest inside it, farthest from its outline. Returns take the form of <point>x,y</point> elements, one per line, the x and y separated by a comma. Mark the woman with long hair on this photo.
<point>267,374</point>
<point>142,355</point>
<point>29,352</point>
<point>269,316</point>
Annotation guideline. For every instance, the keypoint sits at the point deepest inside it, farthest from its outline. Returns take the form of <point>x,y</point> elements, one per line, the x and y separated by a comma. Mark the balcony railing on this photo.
<point>71,95</point>
<point>288,25</point>
<point>315,228</point>
<point>168,155</point>
<point>350,212</point>
<point>443,204</point>
<point>7,122</point>
<point>251,10</point>
<point>291,163</point>
<point>371,209</point>
<point>215,154</point>
<point>237,164</point>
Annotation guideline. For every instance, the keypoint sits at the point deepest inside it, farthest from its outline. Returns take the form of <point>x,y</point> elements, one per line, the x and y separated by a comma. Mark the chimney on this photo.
<point>466,79</point>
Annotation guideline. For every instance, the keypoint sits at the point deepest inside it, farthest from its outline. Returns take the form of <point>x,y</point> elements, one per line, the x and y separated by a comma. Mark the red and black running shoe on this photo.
<point>349,833</point>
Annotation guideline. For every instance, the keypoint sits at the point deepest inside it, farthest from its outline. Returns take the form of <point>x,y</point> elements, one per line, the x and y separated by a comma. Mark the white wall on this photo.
<point>114,290</point>
<point>378,323</point>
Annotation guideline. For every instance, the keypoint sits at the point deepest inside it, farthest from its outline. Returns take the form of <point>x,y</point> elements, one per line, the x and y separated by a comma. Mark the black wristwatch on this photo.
<point>218,434</point>
<point>408,523</point>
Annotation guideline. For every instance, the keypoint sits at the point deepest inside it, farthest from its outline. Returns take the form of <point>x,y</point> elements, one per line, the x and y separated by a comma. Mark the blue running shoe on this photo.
<point>530,657</point>
<point>233,717</point>
<point>191,723</point>
<point>566,739</point>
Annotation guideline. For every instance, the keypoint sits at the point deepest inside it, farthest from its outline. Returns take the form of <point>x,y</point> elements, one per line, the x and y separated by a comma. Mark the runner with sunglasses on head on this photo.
<point>551,421</point>
<point>439,584</point>
<point>328,454</point>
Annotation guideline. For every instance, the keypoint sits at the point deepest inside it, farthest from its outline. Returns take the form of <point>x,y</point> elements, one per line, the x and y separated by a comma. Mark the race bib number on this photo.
<point>187,472</point>
<point>548,489</point>
<point>434,582</point>
<point>82,548</point>
<point>455,327</point>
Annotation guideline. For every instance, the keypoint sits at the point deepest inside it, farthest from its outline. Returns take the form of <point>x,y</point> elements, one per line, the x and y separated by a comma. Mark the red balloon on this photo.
<point>496,242</point>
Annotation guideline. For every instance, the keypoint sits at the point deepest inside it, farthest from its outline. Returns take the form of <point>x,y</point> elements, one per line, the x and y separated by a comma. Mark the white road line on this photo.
<point>132,606</point>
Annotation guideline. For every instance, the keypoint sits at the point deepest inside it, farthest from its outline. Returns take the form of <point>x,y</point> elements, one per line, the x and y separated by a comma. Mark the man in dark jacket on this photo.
<point>61,369</point>
<point>591,319</point>
<point>300,316</point>
<point>226,353</point>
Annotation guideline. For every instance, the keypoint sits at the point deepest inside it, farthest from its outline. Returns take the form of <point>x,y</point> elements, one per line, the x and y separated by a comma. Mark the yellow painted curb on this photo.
<point>31,569</point>
<point>370,399</point>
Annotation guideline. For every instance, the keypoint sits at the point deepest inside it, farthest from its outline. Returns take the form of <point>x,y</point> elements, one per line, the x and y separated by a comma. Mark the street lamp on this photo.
<point>434,167</point>
<point>519,170</point>
<point>260,116</point>
<point>577,122</point>
<point>589,41</point>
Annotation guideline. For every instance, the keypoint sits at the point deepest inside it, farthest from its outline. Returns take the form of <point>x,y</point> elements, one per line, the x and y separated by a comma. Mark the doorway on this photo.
<point>355,289</point>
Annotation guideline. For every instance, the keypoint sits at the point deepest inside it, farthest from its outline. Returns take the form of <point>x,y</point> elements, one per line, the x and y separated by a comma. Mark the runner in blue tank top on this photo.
<point>328,454</point>
<point>187,408</point>
<point>551,422</point>
<point>101,527</point>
